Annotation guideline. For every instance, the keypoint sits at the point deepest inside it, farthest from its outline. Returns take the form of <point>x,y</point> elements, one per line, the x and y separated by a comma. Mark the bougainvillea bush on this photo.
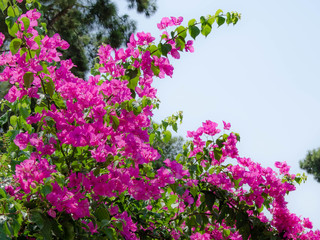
<point>79,159</point>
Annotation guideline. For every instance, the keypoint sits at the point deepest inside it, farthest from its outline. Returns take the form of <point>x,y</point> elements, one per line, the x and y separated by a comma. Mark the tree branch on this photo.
<point>58,16</point>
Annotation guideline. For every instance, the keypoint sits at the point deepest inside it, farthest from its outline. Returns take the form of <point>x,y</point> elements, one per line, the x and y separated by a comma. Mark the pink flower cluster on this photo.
<point>168,22</point>
<point>261,182</point>
<point>97,115</point>
<point>29,174</point>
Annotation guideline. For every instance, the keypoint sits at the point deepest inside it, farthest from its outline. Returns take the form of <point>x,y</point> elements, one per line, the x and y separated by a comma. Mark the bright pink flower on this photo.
<point>2,37</point>
<point>307,223</point>
<point>174,53</point>
<point>176,168</point>
<point>189,47</point>
<point>176,21</point>
<point>92,228</point>
<point>210,128</point>
<point>226,126</point>
<point>22,140</point>
<point>164,23</point>
<point>52,213</point>
<point>13,94</point>
<point>283,167</point>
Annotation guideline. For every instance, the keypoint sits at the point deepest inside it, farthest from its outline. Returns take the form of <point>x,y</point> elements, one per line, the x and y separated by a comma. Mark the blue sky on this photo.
<point>262,75</point>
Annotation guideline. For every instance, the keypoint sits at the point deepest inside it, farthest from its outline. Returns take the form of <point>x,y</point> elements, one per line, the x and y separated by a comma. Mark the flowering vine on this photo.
<point>81,155</point>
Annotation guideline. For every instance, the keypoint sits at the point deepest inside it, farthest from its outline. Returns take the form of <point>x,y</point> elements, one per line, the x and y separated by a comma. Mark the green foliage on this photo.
<point>312,164</point>
<point>15,45</point>
<point>28,79</point>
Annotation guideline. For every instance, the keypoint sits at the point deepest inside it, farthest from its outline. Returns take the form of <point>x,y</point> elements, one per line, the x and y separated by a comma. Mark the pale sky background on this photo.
<point>261,75</point>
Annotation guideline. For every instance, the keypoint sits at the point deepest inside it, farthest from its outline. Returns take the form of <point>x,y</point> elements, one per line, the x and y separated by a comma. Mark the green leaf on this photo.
<point>298,180</point>
<point>155,69</point>
<point>3,5</point>
<point>24,112</point>
<point>235,20</point>
<point>205,30</point>
<point>194,191</point>
<point>210,198</point>
<point>165,48</point>
<point>174,186</point>
<point>68,228</point>
<point>154,50</point>
<point>226,233</point>
<point>4,119</point>
<point>203,20</point>
<point>220,20</point>
<point>133,83</point>
<point>118,225</point>
<point>14,120</point>
<point>4,233</point>
<point>238,136</point>
<point>181,31</point>
<point>194,31</point>
<point>172,200</point>
<point>229,20</point>
<point>42,222</point>
<point>13,11</point>
<point>50,87</point>
<point>56,228</point>
<point>151,138</point>
<point>44,27</point>
<point>136,110</point>
<point>236,183</point>
<point>26,23</point>
<point>37,218</point>
<point>217,153</point>
<point>3,193</point>
<point>28,78</point>
<point>211,20</point>
<point>218,12</point>
<point>192,22</point>
<point>175,127</point>
<point>37,39</point>
<point>15,45</point>
<point>12,26</point>
<point>115,122</point>
<point>180,42</point>
<point>199,219</point>
<point>102,213</point>
<point>167,136</point>
<point>181,190</point>
<point>44,67</point>
<point>132,73</point>
<point>16,224</point>
<point>45,190</point>
<point>111,233</point>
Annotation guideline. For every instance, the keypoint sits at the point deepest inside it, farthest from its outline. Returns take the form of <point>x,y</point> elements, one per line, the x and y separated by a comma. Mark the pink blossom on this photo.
<point>210,128</point>
<point>189,47</point>
<point>176,168</point>
<point>283,167</point>
<point>165,22</point>
<point>52,213</point>
<point>2,37</point>
<point>307,223</point>
<point>226,126</point>
<point>92,228</point>
<point>22,140</point>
